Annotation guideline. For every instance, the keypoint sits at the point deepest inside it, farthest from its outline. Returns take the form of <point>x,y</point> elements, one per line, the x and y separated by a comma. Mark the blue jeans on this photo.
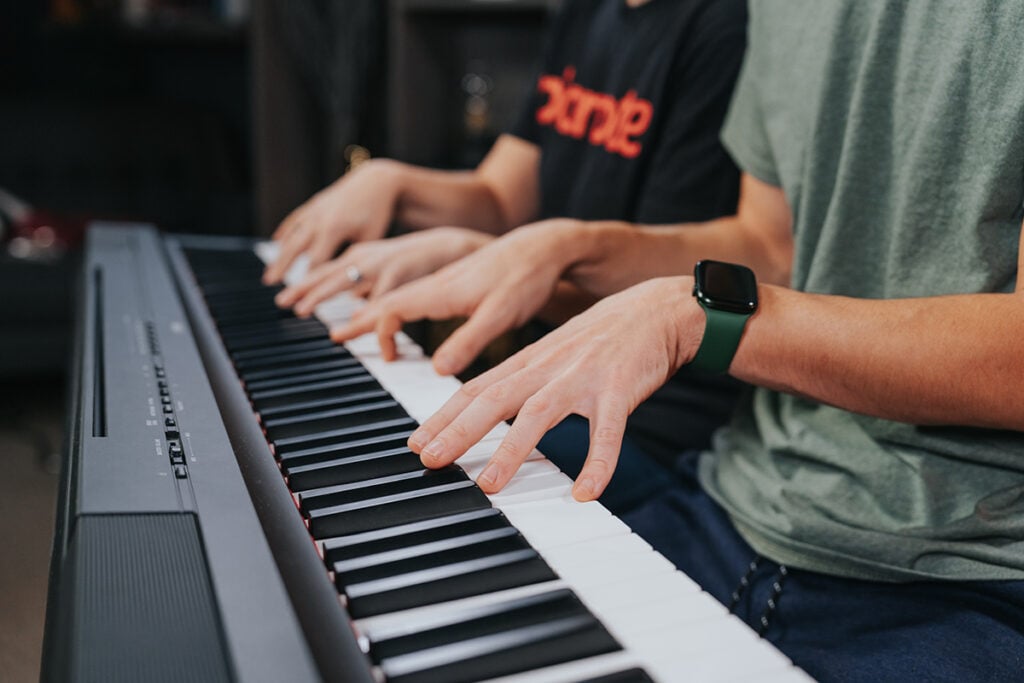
<point>835,629</point>
<point>839,629</point>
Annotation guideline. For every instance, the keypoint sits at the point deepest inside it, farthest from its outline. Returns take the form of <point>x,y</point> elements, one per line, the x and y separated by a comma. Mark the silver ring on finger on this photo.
<point>354,275</point>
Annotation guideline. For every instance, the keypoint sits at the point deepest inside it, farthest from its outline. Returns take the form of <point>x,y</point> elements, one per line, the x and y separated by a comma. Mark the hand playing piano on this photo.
<point>381,265</point>
<point>356,207</point>
<point>499,287</point>
<point>601,365</point>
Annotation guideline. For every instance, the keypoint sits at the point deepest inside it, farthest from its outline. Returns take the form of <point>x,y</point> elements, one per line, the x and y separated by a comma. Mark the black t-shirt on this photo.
<point>626,113</point>
<point>628,107</point>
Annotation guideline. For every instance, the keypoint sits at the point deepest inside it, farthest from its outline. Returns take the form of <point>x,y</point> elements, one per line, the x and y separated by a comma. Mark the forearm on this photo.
<point>951,360</point>
<point>606,257</point>
<point>427,198</point>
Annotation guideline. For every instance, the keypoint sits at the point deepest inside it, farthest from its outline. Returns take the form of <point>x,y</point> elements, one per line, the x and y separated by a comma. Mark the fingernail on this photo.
<point>585,489</point>
<point>417,438</point>
<point>489,476</point>
<point>434,449</point>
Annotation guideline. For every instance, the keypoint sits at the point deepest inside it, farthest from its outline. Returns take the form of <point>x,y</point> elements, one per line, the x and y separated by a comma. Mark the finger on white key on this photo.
<point>268,251</point>
<point>534,466</point>
<point>521,489</point>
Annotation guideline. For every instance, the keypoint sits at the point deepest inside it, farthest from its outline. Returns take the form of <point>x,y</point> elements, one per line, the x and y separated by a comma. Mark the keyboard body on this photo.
<point>237,504</point>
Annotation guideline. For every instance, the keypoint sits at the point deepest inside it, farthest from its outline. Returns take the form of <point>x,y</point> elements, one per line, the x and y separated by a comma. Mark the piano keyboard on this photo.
<point>442,581</point>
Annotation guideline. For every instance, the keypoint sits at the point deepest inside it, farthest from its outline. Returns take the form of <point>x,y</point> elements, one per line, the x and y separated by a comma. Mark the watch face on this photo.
<point>726,286</point>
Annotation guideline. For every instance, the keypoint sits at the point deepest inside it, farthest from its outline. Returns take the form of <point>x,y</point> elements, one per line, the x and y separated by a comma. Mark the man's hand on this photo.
<point>601,364</point>
<point>499,287</point>
<point>358,206</point>
<point>382,265</point>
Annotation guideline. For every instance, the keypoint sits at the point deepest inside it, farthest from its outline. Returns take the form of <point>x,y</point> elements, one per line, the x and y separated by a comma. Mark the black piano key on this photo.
<point>499,654</point>
<point>339,418</point>
<point>378,488</point>
<point>449,581</point>
<point>397,509</point>
<point>243,318</point>
<point>418,555</point>
<point>223,290</point>
<point>233,311</point>
<point>388,426</point>
<point>349,367</point>
<point>234,334</point>
<point>275,350</point>
<point>268,362</point>
<point>346,448</point>
<point>300,407</point>
<point>481,620</point>
<point>285,396</point>
<point>232,291</point>
<point>349,470</point>
<point>300,368</point>
<point>236,344</point>
<point>394,538</point>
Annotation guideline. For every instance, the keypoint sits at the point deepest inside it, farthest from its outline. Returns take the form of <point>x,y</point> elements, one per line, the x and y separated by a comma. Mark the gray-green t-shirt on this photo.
<point>896,130</point>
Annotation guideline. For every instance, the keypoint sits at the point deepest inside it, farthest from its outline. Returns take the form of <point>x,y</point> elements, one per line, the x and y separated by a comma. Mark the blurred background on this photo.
<point>201,116</point>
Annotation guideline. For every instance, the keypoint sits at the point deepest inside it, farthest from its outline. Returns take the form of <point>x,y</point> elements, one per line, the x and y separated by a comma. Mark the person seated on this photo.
<point>864,510</point>
<point>623,125</point>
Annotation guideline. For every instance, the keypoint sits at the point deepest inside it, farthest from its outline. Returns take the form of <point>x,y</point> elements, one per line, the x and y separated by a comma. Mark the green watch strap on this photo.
<point>722,333</point>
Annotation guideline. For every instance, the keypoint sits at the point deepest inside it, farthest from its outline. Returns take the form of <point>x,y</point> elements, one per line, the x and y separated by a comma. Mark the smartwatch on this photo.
<point>728,294</point>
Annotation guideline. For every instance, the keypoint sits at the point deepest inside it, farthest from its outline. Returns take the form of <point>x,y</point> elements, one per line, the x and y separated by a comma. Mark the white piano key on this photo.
<point>523,489</point>
<point>576,522</point>
<point>675,589</point>
<point>790,674</point>
<point>712,650</point>
<point>534,466</point>
<point>579,670</point>
<point>676,606</point>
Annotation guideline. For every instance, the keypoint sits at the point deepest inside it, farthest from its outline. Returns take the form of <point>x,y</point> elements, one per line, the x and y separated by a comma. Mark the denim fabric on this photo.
<point>839,629</point>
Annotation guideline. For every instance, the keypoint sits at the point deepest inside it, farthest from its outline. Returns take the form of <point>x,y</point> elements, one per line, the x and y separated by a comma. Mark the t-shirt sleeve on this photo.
<point>744,134</point>
<point>689,176</point>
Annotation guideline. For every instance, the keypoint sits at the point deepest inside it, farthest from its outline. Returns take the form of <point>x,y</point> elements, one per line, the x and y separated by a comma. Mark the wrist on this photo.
<point>687,319</point>
<point>391,177</point>
<point>557,240</point>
